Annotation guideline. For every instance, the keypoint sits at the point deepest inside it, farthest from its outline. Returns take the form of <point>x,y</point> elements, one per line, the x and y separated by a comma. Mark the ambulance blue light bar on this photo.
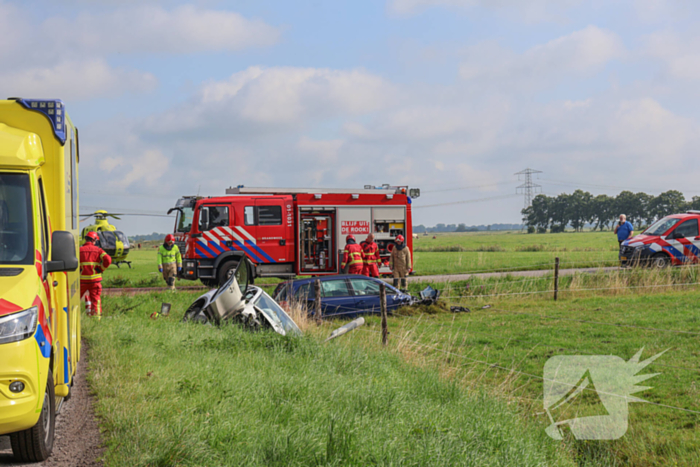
<point>54,110</point>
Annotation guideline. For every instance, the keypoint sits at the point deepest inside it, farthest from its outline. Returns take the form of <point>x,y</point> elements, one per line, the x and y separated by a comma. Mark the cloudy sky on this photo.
<point>451,96</point>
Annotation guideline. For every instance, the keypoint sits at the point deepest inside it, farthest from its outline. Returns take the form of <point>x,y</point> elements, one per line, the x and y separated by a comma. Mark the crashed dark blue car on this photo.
<point>342,296</point>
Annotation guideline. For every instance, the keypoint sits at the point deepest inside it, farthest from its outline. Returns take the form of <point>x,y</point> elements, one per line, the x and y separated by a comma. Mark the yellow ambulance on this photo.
<point>39,277</point>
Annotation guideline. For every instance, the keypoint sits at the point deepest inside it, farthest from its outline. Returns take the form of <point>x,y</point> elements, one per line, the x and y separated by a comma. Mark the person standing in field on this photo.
<point>93,260</point>
<point>400,262</point>
<point>371,252</point>
<point>353,258</point>
<point>624,230</point>
<point>169,260</point>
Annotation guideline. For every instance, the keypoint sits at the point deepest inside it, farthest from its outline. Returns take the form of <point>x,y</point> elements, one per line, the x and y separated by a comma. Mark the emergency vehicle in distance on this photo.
<point>39,280</point>
<point>286,232</point>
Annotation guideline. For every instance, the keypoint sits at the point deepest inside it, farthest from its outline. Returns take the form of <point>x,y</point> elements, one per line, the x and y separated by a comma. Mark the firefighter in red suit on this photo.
<point>371,252</point>
<point>353,258</point>
<point>93,260</point>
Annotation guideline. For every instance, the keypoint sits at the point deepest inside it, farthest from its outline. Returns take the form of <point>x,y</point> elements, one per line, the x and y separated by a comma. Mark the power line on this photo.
<point>528,188</point>
<point>466,187</point>
<point>492,198</point>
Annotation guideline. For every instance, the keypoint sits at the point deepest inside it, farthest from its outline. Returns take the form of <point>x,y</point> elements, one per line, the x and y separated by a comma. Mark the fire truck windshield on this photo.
<point>16,230</point>
<point>184,219</point>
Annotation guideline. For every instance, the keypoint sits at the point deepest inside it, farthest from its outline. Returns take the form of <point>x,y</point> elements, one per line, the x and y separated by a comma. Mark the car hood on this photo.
<point>640,240</point>
<point>19,286</point>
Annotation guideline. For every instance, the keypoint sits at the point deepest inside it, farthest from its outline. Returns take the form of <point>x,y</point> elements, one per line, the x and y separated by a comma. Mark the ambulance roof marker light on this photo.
<point>53,109</point>
<point>355,196</point>
<point>317,195</point>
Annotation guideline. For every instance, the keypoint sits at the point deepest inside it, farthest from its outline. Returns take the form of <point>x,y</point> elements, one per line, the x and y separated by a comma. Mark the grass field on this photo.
<point>505,347</point>
<point>173,394</point>
<point>453,253</point>
<point>444,392</point>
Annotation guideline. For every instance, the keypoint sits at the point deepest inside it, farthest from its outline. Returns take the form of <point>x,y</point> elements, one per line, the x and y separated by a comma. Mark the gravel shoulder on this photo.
<point>78,442</point>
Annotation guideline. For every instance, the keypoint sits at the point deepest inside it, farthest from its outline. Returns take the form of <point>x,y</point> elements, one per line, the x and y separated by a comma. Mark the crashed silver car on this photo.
<point>237,301</point>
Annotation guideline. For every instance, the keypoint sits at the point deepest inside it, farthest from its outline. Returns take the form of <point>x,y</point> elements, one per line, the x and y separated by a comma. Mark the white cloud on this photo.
<point>154,29</point>
<point>677,54</point>
<point>277,99</point>
<point>524,10</point>
<point>578,54</point>
<point>75,80</point>
<point>145,168</point>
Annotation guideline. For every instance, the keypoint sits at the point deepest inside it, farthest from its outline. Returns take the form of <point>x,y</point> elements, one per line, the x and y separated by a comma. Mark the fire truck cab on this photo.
<point>286,232</point>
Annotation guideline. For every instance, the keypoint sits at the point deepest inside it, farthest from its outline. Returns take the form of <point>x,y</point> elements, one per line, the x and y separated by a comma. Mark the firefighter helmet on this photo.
<point>92,236</point>
<point>349,237</point>
<point>169,238</point>
<point>399,238</point>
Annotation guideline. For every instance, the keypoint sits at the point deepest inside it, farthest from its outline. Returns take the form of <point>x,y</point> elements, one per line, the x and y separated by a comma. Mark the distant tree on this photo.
<point>538,214</point>
<point>626,203</point>
<point>579,209</point>
<point>668,202</point>
<point>694,204</point>
<point>560,212</point>
<point>461,228</point>
<point>602,211</point>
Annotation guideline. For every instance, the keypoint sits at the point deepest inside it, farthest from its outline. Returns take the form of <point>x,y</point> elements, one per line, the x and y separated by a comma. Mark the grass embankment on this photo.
<point>506,346</point>
<point>600,282</point>
<point>455,253</point>
<point>176,394</point>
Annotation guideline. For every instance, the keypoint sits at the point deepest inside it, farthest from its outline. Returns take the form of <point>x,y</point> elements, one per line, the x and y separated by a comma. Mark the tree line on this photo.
<point>580,208</point>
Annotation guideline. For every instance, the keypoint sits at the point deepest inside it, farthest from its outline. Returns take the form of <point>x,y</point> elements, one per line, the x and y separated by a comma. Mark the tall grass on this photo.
<point>503,349</point>
<point>189,395</point>
<point>600,282</point>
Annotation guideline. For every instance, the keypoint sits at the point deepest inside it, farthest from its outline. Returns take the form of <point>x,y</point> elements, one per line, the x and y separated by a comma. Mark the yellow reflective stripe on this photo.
<point>94,276</point>
<point>88,263</point>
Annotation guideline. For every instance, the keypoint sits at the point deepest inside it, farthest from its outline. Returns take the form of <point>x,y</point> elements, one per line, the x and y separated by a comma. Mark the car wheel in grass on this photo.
<point>660,261</point>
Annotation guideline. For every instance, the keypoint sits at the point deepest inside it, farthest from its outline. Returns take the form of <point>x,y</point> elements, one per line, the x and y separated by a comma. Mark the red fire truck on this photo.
<point>286,232</point>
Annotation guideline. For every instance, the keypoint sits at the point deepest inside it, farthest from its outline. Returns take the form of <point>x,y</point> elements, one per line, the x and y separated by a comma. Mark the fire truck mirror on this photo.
<point>203,219</point>
<point>414,193</point>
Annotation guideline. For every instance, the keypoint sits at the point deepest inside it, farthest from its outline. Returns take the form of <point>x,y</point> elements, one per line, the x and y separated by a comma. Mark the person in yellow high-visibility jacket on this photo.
<point>169,260</point>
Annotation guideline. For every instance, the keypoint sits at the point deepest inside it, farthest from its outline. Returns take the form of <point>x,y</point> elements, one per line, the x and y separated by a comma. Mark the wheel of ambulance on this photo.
<point>660,260</point>
<point>35,444</point>
<point>225,271</point>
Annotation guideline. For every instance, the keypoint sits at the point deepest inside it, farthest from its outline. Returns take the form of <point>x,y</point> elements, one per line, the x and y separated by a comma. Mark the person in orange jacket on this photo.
<point>372,259</point>
<point>353,258</point>
<point>93,260</point>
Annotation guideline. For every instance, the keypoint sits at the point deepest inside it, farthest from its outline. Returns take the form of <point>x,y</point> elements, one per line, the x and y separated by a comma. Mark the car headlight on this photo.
<point>18,326</point>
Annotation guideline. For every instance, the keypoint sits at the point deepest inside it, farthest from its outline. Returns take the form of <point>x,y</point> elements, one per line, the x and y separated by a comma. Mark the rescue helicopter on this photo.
<point>114,242</point>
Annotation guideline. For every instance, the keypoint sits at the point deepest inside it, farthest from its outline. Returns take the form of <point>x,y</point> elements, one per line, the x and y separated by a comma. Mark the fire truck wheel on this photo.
<point>35,444</point>
<point>225,271</point>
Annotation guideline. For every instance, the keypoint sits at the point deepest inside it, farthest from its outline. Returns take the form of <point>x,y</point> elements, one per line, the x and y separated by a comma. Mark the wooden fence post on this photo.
<point>556,277</point>
<point>317,289</point>
<point>382,302</point>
